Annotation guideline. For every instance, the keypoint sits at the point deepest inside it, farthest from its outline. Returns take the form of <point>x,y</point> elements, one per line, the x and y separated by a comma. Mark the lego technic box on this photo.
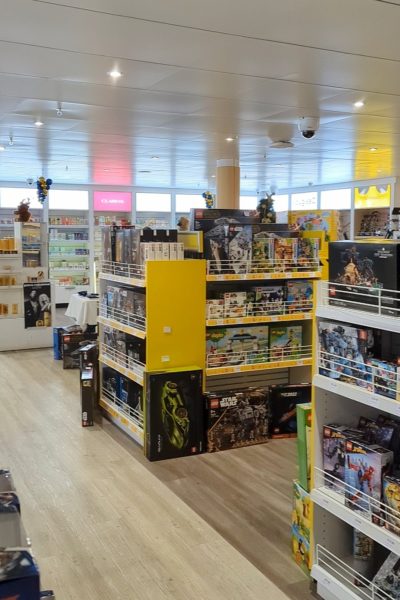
<point>237,419</point>
<point>283,402</point>
<point>174,414</point>
<point>365,468</point>
<point>343,353</point>
<point>365,268</point>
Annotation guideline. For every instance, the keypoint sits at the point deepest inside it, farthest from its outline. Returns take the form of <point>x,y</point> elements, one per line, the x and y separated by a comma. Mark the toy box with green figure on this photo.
<point>174,423</point>
<point>301,524</point>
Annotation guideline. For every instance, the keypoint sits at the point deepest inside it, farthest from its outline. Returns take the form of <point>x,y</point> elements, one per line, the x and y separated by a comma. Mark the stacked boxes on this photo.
<point>132,246</point>
<point>237,345</point>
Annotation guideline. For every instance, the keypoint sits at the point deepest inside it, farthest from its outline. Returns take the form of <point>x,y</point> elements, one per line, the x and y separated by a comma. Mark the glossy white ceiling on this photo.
<point>195,73</point>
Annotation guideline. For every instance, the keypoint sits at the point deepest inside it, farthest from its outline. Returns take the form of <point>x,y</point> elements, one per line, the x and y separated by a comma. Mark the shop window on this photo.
<point>281,202</point>
<point>147,202</point>
<point>304,201</point>
<point>336,199</point>
<point>248,202</point>
<point>68,200</point>
<point>184,202</point>
<point>11,197</point>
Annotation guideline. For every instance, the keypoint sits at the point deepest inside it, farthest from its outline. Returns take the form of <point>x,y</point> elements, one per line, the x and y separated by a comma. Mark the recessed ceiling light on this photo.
<point>115,74</point>
<point>2,148</point>
<point>229,139</point>
<point>38,123</point>
<point>358,104</point>
<point>373,149</point>
<point>213,176</point>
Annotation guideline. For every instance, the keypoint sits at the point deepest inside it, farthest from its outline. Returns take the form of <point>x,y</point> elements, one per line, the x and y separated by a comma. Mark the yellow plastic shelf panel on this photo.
<point>258,367</point>
<point>264,276</point>
<point>114,365</point>
<point>264,319</point>
<point>131,428</point>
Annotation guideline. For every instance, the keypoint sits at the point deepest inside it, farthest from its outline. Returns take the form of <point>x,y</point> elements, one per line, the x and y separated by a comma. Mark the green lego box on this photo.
<point>303,444</point>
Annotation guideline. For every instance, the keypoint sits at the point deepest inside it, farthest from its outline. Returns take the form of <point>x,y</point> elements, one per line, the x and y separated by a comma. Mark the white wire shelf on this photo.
<point>371,375</point>
<point>371,307</point>
<point>61,241</point>
<point>127,418</point>
<point>130,274</point>
<point>274,311</point>
<point>121,362</point>
<point>220,363</point>
<point>76,226</point>
<point>360,510</point>
<point>123,321</point>
<point>226,270</point>
<point>341,580</point>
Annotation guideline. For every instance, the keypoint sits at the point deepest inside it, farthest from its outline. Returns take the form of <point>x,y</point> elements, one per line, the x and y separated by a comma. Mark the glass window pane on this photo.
<point>281,202</point>
<point>248,202</point>
<point>11,197</point>
<point>68,200</point>
<point>304,201</point>
<point>336,199</point>
<point>146,202</point>
<point>184,202</point>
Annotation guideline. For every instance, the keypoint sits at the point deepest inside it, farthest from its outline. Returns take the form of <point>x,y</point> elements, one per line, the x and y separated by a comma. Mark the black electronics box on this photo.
<point>89,380</point>
<point>71,343</point>
<point>365,268</point>
<point>283,402</point>
<point>174,414</point>
<point>237,419</point>
<point>57,331</point>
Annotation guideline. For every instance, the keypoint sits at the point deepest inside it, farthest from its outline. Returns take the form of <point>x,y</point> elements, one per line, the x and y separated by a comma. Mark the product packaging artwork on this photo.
<point>237,419</point>
<point>303,413</point>
<point>363,557</point>
<point>239,248</point>
<point>19,575</point>
<point>301,527</point>
<point>174,414</point>
<point>388,578</point>
<point>237,345</point>
<point>334,453</point>
<point>215,309</point>
<point>268,300</point>
<point>386,378</point>
<point>364,471</point>
<point>235,304</point>
<point>286,342</point>
<point>343,353</point>
<point>391,498</point>
<point>299,296</point>
<point>365,268</point>
<point>284,400</point>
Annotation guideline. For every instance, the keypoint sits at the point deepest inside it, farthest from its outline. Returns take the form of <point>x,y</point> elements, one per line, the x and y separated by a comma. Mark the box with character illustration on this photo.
<point>391,498</point>
<point>174,414</point>
<point>365,468</point>
<point>299,296</point>
<point>286,342</point>
<point>236,419</point>
<point>237,345</point>
<point>284,400</point>
<point>365,268</point>
<point>301,523</point>
<point>343,353</point>
<point>334,453</point>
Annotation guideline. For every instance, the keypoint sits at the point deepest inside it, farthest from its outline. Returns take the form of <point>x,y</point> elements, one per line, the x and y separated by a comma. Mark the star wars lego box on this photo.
<point>239,248</point>
<point>283,401</point>
<point>19,575</point>
<point>285,342</point>
<point>365,268</point>
<point>174,414</point>
<point>343,353</point>
<point>236,419</point>
<point>391,498</point>
<point>365,468</point>
<point>71,344</point>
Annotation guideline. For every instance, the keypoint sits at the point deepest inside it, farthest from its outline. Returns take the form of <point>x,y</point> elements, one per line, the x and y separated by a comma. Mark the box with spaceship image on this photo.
<point>365,271</point>
<point>174,414</point>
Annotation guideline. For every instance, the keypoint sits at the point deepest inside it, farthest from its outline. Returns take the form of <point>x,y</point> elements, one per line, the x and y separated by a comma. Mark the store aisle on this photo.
<point>107,525</point>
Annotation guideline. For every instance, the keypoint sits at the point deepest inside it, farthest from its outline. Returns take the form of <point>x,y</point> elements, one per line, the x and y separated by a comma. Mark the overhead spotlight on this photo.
<point>38,123</point>
<point>373,149</point>
<point>115,74</point>
<point>230,139</point>
<point>2,148</point>
<point>11,141</point>
<point>358,104</point>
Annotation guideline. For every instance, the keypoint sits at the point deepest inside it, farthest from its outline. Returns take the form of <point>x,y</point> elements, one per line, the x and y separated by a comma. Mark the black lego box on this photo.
<point>19,575</point>
<point>71,343</point>
<point>57,342</point>
<point>365,268</point>
<point>237,419</point>
<point>174,414</point>
<point>89,379</point>
<point>283,401</point>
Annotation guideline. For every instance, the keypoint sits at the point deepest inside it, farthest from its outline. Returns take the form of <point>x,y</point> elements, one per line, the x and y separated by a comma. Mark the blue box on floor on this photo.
<point>57,342</point>
<point>19,576</point>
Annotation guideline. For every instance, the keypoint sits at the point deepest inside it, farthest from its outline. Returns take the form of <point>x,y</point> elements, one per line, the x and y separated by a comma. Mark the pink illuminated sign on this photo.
<point>112,201</point>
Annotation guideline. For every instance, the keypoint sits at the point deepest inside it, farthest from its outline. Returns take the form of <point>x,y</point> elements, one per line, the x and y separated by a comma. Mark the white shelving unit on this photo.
<point>69,259</point>
<point>344,403</point>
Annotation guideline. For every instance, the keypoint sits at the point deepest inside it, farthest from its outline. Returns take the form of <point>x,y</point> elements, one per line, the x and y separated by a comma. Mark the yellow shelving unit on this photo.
<point>173,329</point>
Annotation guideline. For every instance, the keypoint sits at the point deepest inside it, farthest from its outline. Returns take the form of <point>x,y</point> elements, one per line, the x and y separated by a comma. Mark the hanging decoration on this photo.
<point>22,214</point>
<point>209,198</point>
<point>266,210</point>
<point>43,185</point>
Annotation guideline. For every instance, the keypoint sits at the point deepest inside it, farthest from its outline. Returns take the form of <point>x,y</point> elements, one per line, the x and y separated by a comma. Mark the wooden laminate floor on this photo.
<point>106,524</point>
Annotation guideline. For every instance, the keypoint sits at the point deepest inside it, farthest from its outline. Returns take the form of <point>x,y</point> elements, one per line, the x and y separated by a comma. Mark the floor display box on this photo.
<point>174,414</point>
<point>365,268</point>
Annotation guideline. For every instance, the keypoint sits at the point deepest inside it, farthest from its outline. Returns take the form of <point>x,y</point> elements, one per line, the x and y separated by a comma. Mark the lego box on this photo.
<point>237,419</point>
<point>391,497</point>
<point>299,296</point>
<point>364,471</point>
<point>237,345</point>
<point>366,268</point>
<point>174,414</point>
<point>285,342</point>
<point>334,453</point>
<point>19,575</point>
<point>301,524</point>
<point>303,413</point>
<point>284,400</point>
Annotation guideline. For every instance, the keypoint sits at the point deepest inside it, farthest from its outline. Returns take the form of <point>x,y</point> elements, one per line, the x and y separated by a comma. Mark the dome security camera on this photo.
<point>29,181</point>
<point>308,126</point>
<point>59,112</point>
